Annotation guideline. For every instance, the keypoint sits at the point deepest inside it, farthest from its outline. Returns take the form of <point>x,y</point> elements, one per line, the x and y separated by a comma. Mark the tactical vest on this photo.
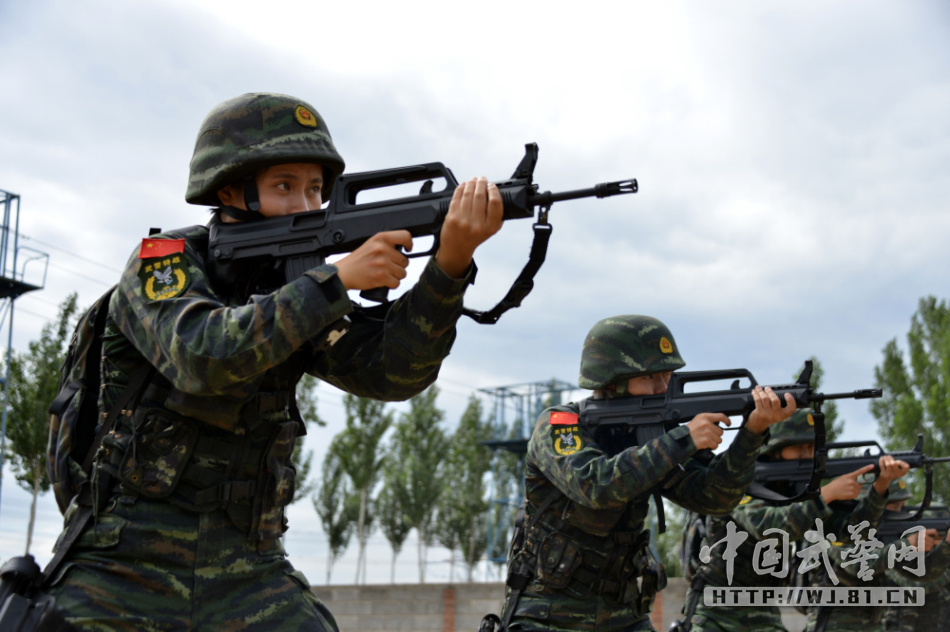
<point>557,557</point>
<point>156,453</point>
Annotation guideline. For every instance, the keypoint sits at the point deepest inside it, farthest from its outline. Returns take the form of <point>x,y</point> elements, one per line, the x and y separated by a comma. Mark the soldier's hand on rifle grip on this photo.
<point>768,409</point>
<point>891,469</point>
<point>845,487</point>
<point>705,431</point>
<point>475,214</point>
<point>377,262</point>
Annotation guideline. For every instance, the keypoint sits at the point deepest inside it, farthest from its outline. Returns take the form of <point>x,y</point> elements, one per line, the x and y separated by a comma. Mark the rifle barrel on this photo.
<point>863,393</point>
<point>602,190</point>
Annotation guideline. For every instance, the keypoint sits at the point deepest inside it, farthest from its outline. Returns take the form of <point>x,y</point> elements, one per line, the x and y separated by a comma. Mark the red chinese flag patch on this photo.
<point>152,248</point>
<point>559,418</point>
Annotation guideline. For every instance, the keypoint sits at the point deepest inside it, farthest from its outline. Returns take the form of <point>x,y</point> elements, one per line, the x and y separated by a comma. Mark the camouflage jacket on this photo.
<point>763,520</point>
<point>215,350</point>
<point>603,493</point>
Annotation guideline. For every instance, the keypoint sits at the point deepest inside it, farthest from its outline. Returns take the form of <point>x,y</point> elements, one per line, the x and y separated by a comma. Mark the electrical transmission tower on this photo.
<point>12,286</point>
<point>514,410</point>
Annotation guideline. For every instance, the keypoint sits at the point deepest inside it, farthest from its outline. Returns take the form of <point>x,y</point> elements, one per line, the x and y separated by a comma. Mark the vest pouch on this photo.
<point>558,558</point>
<point>277,482</point>
<point>160,445</point>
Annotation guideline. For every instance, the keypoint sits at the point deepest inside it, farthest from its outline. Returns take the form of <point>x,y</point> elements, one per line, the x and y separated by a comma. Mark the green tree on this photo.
<point>416,453</point>
<point>392,522</point>
<point>507,490</point>
<point>303,461</point>
<point>361,459</point>
<point>669,543</point>
<point>337,506</point>
<point>34,382</point>
<point>461,517</point>
<point>833,426</point>
<point>916,396</point>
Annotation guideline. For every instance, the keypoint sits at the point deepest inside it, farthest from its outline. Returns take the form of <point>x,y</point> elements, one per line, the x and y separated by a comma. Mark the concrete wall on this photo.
<point>451,607</point>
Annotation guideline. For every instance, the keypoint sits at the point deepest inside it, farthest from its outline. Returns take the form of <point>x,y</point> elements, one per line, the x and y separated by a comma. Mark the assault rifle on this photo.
<point>799,470</point>
<point>297,243</point>
<point>636,420</point>
<point>891,528</point>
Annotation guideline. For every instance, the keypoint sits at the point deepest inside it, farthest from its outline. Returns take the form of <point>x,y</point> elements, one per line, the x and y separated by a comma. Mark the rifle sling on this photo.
<point>523,285</point>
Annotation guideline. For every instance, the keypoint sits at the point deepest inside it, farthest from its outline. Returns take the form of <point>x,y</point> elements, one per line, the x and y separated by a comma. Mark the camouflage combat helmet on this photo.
<point>796,430</point>
<point>621,347</point>
<point>897,490</point>
<point>252,132</point>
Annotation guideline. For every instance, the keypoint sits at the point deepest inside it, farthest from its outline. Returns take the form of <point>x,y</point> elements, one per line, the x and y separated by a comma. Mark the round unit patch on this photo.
<point>665,345</point>
<point>164,278</point>
<point>305,117</point>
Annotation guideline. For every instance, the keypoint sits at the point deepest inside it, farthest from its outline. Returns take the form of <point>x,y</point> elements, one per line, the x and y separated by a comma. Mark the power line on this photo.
<point>71,254</point>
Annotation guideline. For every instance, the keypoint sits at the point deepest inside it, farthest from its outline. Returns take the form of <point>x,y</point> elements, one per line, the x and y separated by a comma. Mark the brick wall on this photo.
<point>451,607</point>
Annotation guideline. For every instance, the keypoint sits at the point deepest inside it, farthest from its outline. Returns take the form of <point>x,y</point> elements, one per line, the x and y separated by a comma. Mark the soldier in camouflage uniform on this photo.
<point>931,617</point>
<point>580,562</point>
<point>188,530</point>
<point>792,440</point>
<point>877,574</point>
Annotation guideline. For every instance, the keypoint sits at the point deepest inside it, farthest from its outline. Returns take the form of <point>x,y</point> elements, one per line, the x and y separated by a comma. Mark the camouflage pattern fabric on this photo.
<point>601,496</point>
<point>799,429</point>
<point>226,363</point>
<point>215,353</point>
<point>860,619</point>
<point>148,566</point>
<point>621,347</point>
<point>755,517</point>
<point>253,131</point>
<point>929,618</point>
<point>541,613</point>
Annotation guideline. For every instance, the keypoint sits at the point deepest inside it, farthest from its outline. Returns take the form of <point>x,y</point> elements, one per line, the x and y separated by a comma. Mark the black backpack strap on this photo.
<point>85,501</point>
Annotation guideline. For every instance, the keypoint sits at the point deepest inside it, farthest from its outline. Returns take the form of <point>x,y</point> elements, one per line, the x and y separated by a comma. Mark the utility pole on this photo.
<point>12,286</point>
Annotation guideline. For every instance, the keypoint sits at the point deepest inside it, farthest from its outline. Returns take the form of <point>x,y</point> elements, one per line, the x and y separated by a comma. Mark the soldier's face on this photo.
<point>799,451</point>
<point>652,384</point>
<point>283,190</point>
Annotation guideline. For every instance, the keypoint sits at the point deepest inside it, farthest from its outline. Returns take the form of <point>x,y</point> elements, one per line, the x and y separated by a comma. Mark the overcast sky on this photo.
<point>793,162</point>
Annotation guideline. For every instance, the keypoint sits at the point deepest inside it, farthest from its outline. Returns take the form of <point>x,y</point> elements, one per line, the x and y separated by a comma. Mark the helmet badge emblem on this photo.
<point>665,345</point>
<point>305,117</point>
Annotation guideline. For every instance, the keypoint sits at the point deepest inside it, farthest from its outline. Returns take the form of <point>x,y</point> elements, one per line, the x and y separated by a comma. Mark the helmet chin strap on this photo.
<point>252,202</point>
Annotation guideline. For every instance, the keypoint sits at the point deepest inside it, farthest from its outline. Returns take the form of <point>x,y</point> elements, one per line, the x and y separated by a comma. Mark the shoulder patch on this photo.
<point>567,440</point>
<point>560,418</point>
<point>165,277</point>
<point>152,248</point>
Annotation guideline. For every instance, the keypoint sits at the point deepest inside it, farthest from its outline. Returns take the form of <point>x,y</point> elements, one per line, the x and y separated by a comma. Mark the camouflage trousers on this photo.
<point>556,613</point>
<point>737,619</point>
<point>850,619</point>
<point>149,566</point>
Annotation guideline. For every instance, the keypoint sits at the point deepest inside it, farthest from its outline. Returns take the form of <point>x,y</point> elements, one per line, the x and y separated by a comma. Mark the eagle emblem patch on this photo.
<point>567,440</point>
<point>164,278</point>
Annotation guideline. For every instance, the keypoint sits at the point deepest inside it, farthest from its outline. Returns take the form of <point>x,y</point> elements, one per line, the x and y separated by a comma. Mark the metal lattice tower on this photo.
<point>12,286</point>
<point>514,410</point>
